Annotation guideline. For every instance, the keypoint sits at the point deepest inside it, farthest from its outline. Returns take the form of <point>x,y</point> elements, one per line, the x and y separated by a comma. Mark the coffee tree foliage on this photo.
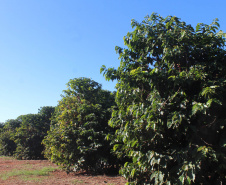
<point>22,137</point>
<point>171,95</point>
<point>1,125</point>
<point>76,139</point>
<point>29,135</point>
<point>7,133</point>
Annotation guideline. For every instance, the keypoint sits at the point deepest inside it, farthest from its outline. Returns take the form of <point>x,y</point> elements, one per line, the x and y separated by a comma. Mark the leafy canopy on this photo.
<point>77,135</point>
<point>171,94</point>
<point>23,136</point>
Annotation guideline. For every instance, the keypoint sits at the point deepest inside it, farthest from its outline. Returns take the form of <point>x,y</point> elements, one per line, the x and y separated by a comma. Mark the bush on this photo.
<point>171,94</point>
<point>7,145</point>
<point>7,133</point>
<point>29,135</point>
<point>76,139</point>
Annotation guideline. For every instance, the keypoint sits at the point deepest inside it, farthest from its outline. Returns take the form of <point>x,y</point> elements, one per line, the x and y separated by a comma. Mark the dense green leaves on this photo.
<point>77,135</point>
<point>7,133</point>
<point>22,137</point>
<point>171,95</point>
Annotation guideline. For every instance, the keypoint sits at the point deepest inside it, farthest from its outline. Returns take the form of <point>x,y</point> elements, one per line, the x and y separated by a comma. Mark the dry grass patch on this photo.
<point>28,174</point>
<point>43,172</point>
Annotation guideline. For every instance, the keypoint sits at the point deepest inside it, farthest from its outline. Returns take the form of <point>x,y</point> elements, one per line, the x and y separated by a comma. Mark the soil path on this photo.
<point>56,177</point>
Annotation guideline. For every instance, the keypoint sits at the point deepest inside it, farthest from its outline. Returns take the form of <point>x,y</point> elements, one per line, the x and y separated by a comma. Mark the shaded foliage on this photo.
<point>22,137</point>
<point>7,133</point>
<point>171,94</point>
<point>29,135</point>
<point>1,125</point>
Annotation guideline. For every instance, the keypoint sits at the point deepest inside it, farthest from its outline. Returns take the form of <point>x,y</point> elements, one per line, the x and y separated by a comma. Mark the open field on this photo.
<point>32,172</point>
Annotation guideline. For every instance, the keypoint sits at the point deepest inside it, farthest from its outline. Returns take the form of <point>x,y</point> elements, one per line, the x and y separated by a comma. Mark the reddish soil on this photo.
<point>57,177</point>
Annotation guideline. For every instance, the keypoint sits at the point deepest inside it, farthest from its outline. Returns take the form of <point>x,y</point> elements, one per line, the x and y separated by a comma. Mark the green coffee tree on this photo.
<point>28,137</point>
<point>7,133</point>
<point>76,139</point>
<point>171,94</point>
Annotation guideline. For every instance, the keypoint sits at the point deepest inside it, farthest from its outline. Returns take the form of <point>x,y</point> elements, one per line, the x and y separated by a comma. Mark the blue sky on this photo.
<point>45,43</point>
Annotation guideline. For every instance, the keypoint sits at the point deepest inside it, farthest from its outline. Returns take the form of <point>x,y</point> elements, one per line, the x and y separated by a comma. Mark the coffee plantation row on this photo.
<point>165,124</point>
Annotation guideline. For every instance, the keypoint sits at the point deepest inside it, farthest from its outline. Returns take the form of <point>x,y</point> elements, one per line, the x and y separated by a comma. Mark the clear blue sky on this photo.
<point>45,43</point>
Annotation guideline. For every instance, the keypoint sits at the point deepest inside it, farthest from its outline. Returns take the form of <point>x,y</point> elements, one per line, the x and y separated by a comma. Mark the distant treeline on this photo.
<point>22,137</point>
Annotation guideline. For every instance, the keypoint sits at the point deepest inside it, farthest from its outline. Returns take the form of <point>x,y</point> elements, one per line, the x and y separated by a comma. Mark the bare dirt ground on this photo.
<point>57,177</point>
